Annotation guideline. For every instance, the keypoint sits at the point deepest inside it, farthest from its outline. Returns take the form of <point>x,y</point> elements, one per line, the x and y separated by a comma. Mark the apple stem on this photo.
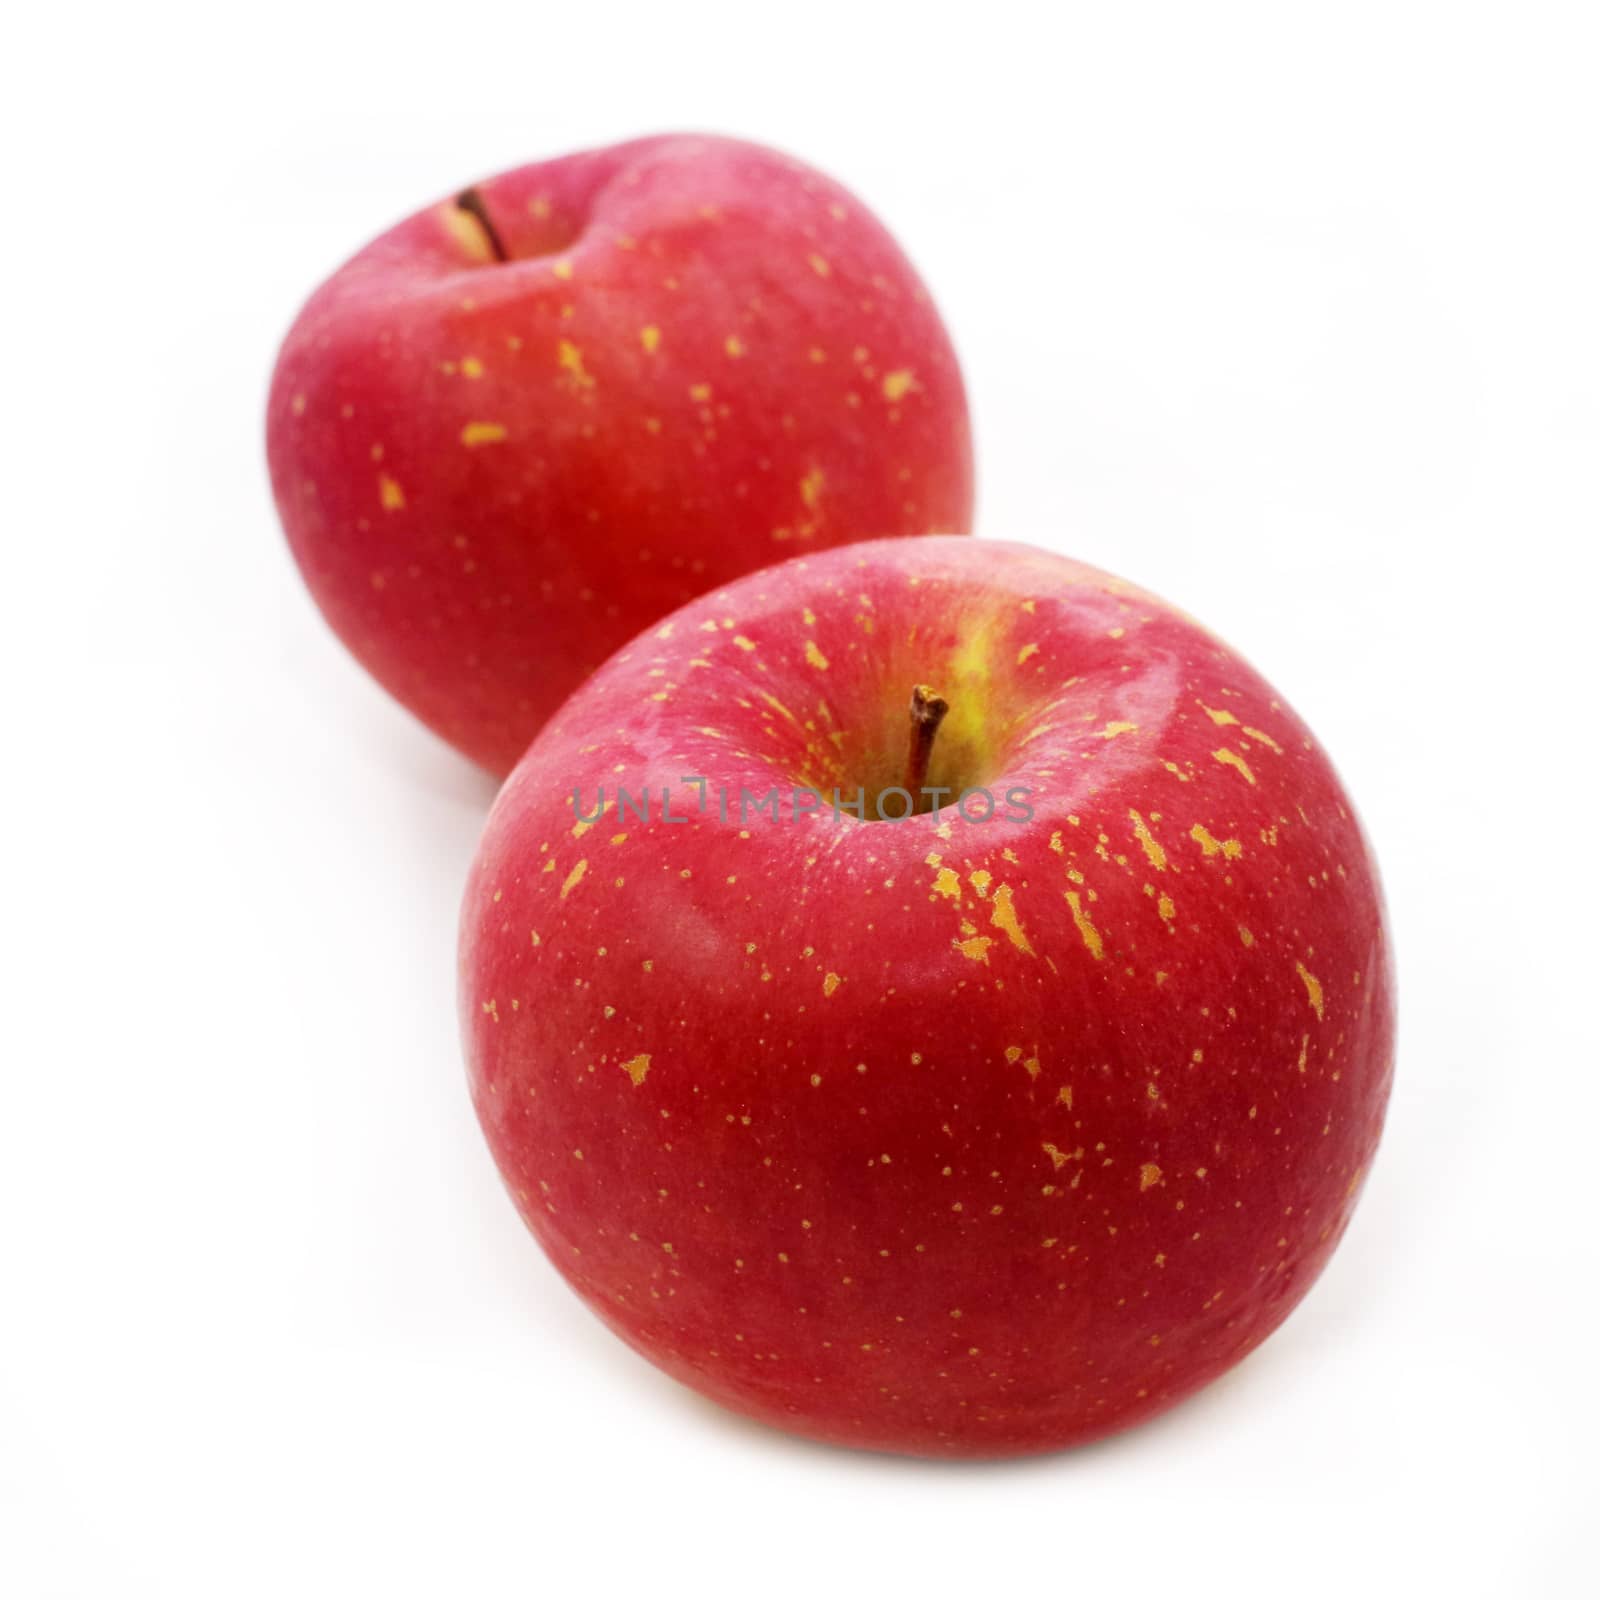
<point>928,708</point>
<point>470,201</point>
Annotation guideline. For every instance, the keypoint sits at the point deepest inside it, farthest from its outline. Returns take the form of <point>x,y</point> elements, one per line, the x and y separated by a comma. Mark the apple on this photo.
<point>544,412</point>
<point>983,1132</point>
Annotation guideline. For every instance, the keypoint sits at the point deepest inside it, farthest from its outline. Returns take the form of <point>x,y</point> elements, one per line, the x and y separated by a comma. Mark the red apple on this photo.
<point>538,416</point>
<point>948,1136</point>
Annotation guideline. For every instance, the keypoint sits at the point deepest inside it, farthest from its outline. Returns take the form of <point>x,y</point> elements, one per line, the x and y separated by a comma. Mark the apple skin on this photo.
<point>940,1137</point>
<point>700,357</point>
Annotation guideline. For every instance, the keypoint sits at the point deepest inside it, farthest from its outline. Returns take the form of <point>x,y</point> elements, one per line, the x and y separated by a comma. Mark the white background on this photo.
<point>1287,311</point>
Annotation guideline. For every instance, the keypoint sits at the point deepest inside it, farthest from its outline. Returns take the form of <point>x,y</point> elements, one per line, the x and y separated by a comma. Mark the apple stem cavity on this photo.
<point>928,709</point>
<point>471,202</point>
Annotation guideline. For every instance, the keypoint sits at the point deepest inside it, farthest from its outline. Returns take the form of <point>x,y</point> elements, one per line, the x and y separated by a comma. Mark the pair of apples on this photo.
<point>972,1082</point>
